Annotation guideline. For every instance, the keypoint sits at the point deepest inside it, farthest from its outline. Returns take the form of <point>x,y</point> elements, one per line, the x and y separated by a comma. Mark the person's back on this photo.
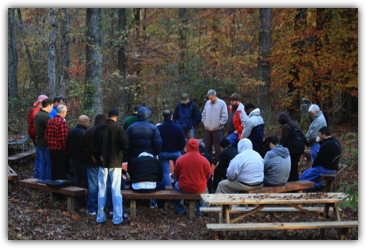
<point>145,168</point>
<point>172,137</point>
<point>143,136</point>
<point>277,164</point>
<point>254,128</point>
<point>73,143</point>
<point>192,170</point>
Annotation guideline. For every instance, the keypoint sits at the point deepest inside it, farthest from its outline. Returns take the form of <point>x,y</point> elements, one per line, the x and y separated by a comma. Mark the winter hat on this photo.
<point>224,143</point>
<point>40,99</point>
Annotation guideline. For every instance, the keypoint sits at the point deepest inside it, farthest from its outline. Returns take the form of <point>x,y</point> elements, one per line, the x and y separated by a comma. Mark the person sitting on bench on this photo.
<point>146,175</point>
<point>277,164</point>
<point>327,159</point>
<point>245,171</point>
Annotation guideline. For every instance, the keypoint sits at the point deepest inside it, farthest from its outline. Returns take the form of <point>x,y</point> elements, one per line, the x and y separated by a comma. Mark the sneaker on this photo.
<point>153,205</point>
<point>123,223</point>
<point>126,215</point>
<point>111,212</point>
<point>90,212</point>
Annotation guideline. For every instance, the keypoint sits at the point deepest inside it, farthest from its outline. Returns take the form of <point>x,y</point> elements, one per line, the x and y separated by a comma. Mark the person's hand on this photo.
<point>235,131</point>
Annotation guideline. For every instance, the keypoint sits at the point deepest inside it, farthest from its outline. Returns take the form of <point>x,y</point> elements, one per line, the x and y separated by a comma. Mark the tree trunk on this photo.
<point>182,40</point>
<point>12,56</point>
<point>264,102</point>
<point>122,61</point>
<point>94,60</point>
<point>137,23</point>
<point>65,42</point>
<point>52,56</point>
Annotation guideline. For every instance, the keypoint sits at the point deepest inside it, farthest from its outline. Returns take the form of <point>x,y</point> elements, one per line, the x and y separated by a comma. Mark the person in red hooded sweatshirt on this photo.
<point>192,171</point>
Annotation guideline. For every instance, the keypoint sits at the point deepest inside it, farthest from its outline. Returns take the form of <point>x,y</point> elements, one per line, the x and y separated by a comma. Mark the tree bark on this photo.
<point>122,60</point>
<point>182,40</point>
<point>137,23</point>
<point>264,102</point>
<point>12,56</point>
<point>65,42</point>
<point>52,56</point>
<point>94,60</point>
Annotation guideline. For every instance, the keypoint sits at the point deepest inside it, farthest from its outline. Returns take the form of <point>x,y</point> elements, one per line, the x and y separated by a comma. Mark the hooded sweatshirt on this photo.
<point>143,136</point>
<point>192,170</point>
<point>318,122</point>
<point>283,118</point>
<point>277,166</point>
<point>247,166</point>
<point>254,129</point>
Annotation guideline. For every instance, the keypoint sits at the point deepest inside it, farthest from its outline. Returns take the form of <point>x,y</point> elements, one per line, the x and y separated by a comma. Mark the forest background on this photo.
<point>99,59</point>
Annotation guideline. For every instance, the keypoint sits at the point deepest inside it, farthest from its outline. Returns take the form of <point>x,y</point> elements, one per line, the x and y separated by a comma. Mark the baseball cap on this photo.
<point>40,99</point>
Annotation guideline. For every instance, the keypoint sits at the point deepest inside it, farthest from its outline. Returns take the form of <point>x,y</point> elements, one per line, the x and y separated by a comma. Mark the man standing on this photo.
<point>56,101</point>
<point>192,171</point>
<point>109,140</point>
<point>56,134</point>
<point>289,127</point>
<point>327,159</point>
<point>318,122</point>
<point>143,136</point>
<point>245,171</point>
<point>277,164</point>
<point>254,128</point>
<point>214,117</point>
<point>40,123</point>
<point>187,115</point>
<point>77,157</point>
<point>173,142</point>
<point>32,134</point>
<point>132,118</point>
<point>237,119</point>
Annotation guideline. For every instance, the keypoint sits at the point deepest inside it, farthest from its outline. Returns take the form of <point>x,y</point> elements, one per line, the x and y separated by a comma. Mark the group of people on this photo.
<point>245,160</point>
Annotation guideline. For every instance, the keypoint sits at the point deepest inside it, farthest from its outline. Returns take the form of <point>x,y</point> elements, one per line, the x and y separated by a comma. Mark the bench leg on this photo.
<point>132,208</point>
<point>325,214</point>
<point>308,163</point>
<point>192,205</point>
<point>34,194</point>
<point>70,203</point>
<point>9,185</point>
<point>329,186</point>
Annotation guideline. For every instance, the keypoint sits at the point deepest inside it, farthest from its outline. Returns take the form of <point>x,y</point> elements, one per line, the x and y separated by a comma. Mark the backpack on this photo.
<point>296,140</point>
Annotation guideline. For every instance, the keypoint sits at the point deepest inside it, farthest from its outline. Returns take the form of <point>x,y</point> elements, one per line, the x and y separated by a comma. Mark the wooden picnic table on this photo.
<point>293,200</point>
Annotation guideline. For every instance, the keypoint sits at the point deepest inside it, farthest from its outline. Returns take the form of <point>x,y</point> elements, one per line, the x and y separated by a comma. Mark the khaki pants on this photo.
<point>232,187</point>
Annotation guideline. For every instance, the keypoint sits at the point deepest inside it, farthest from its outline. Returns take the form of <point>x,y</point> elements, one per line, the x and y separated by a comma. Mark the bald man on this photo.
<point>77,157</point>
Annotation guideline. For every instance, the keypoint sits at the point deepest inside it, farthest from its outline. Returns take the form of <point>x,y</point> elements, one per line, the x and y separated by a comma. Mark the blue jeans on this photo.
<point>179,204</point>
<point>37,162</point>
<point>45,167</point>
<point>92,203</point>
<point>190,134</point>
<point>314,151</point>
<point>164,158</point>
<point>313,174</point>
<point>233,138</point>
<point>115,176</point>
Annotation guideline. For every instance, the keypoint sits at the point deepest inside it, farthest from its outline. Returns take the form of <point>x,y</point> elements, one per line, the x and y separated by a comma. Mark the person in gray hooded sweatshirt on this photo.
<point>277,164</point>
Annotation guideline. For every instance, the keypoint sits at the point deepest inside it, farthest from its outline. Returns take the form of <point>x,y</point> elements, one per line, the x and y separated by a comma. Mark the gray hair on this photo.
<point>61,108</point>
<point>211,92</point>
<point>314,108</point>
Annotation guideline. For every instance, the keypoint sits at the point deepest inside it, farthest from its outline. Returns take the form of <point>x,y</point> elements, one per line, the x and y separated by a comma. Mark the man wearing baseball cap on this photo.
<point>37,105</point>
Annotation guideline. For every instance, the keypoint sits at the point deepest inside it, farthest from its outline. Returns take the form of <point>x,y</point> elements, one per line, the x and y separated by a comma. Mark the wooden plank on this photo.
<point>11,174</point>
<point>192,205</point>
<point>316,215</point>
<point>132,208</point>
<point>236,210</point>
<point>70,190</point>
<point>160,194</point>
<point>290,186</point>
<point>336,174</point>
<point>281,225</point>
<point>247,214</point>
<point>281,198</point>
<point>22,156</point>
<point>70,203</point>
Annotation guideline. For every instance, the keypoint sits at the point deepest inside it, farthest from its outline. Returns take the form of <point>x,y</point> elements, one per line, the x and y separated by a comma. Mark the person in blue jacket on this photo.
<point>187,115</point>
<point>143,136</point>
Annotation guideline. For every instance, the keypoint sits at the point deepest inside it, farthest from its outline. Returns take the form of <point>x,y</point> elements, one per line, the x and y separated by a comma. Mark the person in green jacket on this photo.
<point>132,118</point>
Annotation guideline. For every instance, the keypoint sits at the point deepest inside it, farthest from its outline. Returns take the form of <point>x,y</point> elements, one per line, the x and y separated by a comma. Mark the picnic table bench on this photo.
<point>337,175</point>
<point>21,156</point>
<point>298,186</point>
<point>25,139</point>
<point>70,191</point>
<point>167,194</point>
<point>290,199</point>
<point>12,176</point>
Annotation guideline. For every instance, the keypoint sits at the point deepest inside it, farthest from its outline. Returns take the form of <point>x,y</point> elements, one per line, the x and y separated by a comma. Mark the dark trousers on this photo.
<point>213,138</point>
<point>294,173</point>
<point>80,174</point>
<point>218,174</point>
<point>59,164</point>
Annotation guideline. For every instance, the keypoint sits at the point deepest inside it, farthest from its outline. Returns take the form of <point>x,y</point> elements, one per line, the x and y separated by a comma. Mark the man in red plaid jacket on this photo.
<point>56,134</point>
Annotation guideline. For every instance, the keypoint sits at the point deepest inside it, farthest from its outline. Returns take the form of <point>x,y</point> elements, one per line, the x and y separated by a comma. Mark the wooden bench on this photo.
<point>298,186</point>
<point>70,191</point>
<point>21,156</point>
<point>238,210</point>
<point>293,200</point>
<point>336,175</point>
<point>167,194</point>
<point>12,176</point>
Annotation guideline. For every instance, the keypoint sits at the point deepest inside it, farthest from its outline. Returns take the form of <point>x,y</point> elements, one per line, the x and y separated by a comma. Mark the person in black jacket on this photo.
<point>77,157</point>
<point>228,152</point>
<point>327,159</point>
<point>109,140</point>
